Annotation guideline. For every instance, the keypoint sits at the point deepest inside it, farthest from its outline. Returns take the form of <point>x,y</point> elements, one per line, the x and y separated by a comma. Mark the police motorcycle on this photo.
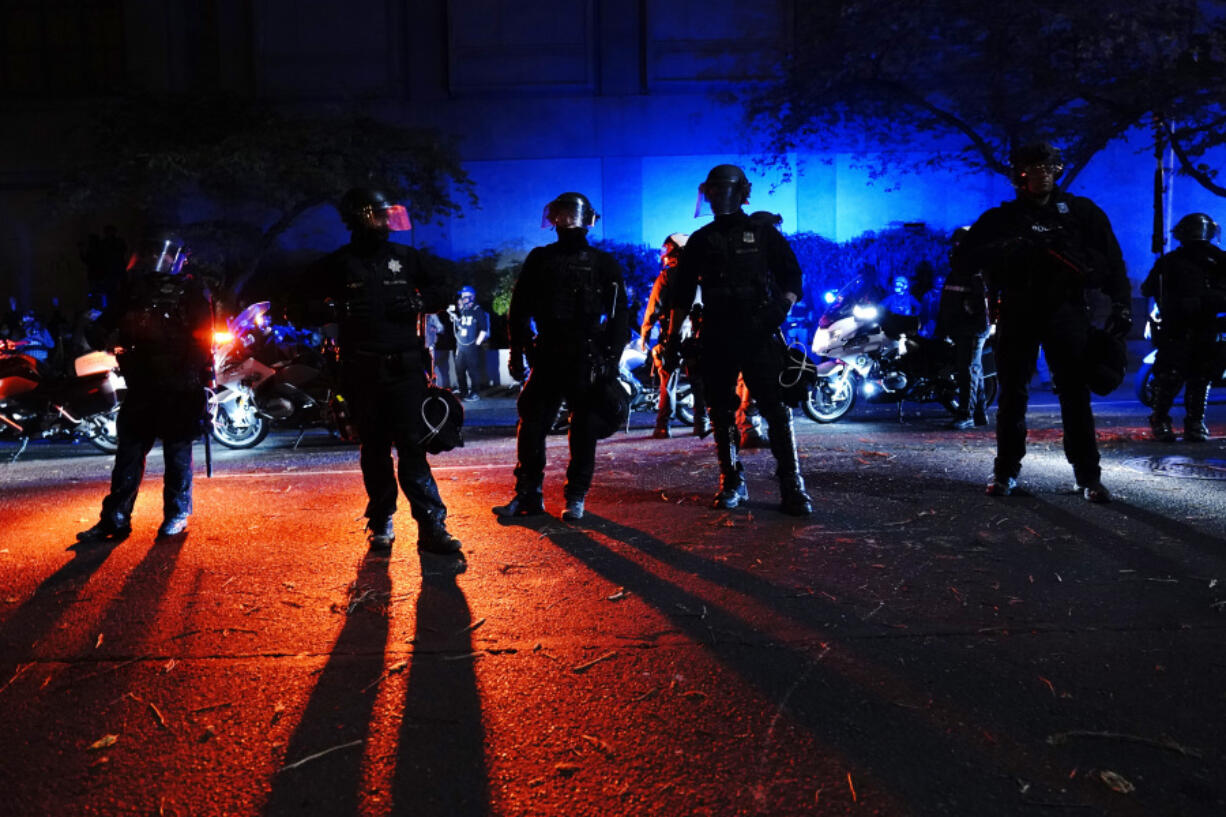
<point>635,377</point>
<point>268,373</point>
<point>1144,383</point>
<point>640,371</point>
<point>35,405</point>
<point>864,351</point>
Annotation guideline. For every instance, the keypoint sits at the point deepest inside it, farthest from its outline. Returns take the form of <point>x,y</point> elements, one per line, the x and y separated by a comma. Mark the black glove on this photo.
<point>516,367</point>
<point>771,315</point>
<point>1119,322</point>
<point>404,306</point>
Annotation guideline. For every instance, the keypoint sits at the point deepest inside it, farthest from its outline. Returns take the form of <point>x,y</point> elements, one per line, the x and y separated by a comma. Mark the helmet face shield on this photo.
<point>1053,169</point>
<point>1195,227</point>
<point>364,209</point>
<point>397,218</point>
<point>725,189</point>
<point>393,217</point>
<point>569,211</point>
<point>724,198</point>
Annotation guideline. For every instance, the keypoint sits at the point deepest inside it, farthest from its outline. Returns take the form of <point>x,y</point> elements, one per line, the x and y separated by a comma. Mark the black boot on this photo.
<point>436,539</point>
<point>732,488</point>
<point>793,499</point>
<point>521,504</point>
<point>1194,398</point>
<point>106,530</point>
<point>380,534</point>
<point>1164,390</point>
<point>1160,427</point>
<point>574,508</point>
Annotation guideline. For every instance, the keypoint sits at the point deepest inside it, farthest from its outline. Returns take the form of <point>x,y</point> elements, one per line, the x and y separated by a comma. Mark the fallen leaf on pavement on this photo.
<point>104,742</point>
<point>1116,782</point>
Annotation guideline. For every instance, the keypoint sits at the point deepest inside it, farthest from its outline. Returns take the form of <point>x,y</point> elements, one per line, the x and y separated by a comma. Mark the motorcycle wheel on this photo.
<point>240,437</point>
<point>822,405</point>
<point>104,435</point>
<point>1145,385</point>
<point>685,406</point>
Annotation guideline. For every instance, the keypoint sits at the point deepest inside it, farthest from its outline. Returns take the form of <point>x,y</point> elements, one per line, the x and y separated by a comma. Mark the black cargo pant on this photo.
<point>729,351</point>
<point>386,392</point>
<point>1188,357</point>
<point>1062,333</point>
<point>146,416</point>
<point>553,380</point>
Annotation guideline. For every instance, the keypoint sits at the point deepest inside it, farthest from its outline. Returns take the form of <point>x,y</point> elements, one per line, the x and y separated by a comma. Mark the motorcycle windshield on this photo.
<point>857,291</point>
<point>253,317</point>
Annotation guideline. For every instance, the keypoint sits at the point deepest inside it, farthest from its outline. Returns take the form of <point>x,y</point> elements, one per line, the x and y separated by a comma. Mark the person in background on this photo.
<point>1189,286</point>
<point>658,309</point>
<point>963,317</point>
<point>930,303</point>
<point>472,327</point>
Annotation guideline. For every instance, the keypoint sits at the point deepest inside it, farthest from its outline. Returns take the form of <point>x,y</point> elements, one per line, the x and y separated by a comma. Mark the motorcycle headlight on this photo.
<point>864,312</point>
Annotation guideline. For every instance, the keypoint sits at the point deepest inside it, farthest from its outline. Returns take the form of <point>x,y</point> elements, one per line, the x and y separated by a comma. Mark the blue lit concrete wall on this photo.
<point>628,102</point>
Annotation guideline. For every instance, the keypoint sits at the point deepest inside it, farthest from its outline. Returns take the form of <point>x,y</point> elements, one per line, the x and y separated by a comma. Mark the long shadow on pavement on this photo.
<point>36,617</point>
<point>916,758</point>
<point>338,713</point>
<point>440,761</point>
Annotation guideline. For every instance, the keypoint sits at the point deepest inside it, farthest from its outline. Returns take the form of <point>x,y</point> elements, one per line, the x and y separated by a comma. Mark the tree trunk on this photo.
<point>267,240</point>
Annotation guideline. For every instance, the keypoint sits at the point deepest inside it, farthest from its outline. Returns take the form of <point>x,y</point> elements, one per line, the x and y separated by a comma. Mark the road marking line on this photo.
<point>320,471</point>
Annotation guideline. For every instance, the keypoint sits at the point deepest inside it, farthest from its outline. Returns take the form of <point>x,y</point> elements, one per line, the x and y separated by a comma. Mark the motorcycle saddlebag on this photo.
<point>87,395</point>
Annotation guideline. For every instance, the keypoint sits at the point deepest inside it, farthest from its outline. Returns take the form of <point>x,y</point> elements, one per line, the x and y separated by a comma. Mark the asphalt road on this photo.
<point>914,648</point>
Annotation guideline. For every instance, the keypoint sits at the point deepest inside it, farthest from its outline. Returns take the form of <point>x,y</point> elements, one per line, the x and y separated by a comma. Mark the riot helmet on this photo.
<point>725,189</point>
<point>364,209</point>
<point>1195,227</point>
<point>468,295</point>
<point>670,251</point>
<point>570,211</point>
<point>1035,157</point>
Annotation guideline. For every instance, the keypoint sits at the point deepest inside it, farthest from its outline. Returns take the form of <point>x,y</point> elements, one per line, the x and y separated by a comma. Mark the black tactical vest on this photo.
<point>575,292</point>
<point>736,275</point>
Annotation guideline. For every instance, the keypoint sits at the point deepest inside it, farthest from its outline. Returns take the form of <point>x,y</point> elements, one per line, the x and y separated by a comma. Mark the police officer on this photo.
<point>380,292</point>
<point>1189,286</point>
<point>472,327</point>
<point>575,296</point>
<point>161,326</point>
<point>963,317</point>
<point>750,278</point>
<point>1040,253</point>
<point>658,312</point>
